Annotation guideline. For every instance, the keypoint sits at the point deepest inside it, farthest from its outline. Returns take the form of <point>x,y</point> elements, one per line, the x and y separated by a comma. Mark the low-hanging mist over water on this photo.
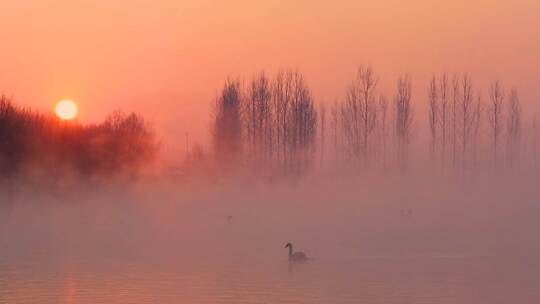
<point>302,152</point>
<point>388,206</point>
<point>379,239</point>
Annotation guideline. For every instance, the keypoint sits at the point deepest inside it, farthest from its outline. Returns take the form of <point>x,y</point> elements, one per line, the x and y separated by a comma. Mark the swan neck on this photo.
<point>290,251</point>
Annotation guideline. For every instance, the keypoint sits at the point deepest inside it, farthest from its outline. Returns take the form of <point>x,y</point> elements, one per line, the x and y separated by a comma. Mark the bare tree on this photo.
<point>322,119</point>
<point>455,97</point>
<point>295,121</point>
<point>495,116</point>
<point>404,114</point>
<point>335,125</point>
<point>303,124</point>
<point>282,127</point>
<point>351,123</point>
<point>383,127</point>
<point>466,104</point>
<point>258,119</point>
<point>477,117</point>
<point>281,96</point>
<point>360,111</point>
<point>444,108</point>
<point>513,126</point>
<point>368,83</point>
<point>227,123</point>
<point>433,106</point>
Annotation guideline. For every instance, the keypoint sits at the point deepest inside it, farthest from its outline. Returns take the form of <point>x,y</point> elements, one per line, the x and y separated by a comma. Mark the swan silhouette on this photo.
<point>295,256</point>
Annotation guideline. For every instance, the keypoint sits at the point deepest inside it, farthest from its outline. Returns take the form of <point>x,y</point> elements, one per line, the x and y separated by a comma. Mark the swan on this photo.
<point>295,256</point>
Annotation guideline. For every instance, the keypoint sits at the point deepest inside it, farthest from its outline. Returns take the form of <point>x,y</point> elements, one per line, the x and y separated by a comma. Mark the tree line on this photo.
<point>272,124</point>
<point>469,130</point>
<point>32,142</point>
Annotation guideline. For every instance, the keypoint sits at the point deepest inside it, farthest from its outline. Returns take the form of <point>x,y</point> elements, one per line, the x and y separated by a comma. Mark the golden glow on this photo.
<point>66,109</point>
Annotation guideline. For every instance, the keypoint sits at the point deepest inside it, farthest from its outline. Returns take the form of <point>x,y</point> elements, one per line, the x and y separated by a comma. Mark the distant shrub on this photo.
<point>34,142</point>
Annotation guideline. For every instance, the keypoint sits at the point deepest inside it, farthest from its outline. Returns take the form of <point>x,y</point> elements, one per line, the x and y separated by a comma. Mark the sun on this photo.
<point>66,109</point>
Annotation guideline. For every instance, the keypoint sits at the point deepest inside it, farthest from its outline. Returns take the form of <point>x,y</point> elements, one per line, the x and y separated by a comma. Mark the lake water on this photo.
<point>42,278</point>
<point>186,251</point>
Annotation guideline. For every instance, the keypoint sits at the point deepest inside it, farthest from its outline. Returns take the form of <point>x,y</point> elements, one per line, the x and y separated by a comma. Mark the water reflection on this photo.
<point>362,280</point>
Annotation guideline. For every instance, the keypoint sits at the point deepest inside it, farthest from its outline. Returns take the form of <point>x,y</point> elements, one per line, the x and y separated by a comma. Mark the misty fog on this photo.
<point>353,230</point>
<point>301,152</point>
<point>391,201</point>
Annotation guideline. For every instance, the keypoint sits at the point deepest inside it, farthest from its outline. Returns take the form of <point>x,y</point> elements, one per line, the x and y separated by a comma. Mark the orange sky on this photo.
<point>168,58</point>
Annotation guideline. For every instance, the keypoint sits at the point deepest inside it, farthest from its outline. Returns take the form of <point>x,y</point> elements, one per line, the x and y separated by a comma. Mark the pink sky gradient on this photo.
<point>167,59</point>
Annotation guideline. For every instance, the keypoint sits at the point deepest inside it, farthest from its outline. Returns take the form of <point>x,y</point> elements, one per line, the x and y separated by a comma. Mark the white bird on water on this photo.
<point>295,256</point>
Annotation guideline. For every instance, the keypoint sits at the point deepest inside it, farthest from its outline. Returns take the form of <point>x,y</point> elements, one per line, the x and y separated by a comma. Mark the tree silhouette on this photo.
<point>513,126</point>
<point>404,114</point>
<point>227,124</point>
<point>495,116</point>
